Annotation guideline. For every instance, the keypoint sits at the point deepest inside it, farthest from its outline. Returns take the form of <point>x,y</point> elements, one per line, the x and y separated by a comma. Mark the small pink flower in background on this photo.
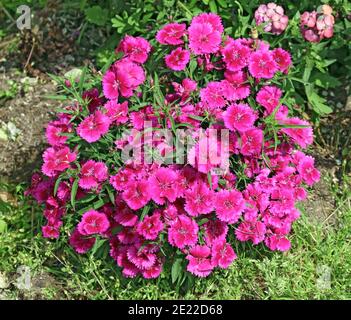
<point>150,227</point>
<point>177,59</point>
<point>273,18</point>
<point>57,160</point>
<point>269,97</point>
<point>235,55</point>
<point>117,112</point>
<point>262,65</point>
<point>92,174</point>
<point>317,25</point>
<point>171,34</point>
<point>135,48</point>
<point>222,254</point>
<point>239,117</point>
<point>93,222</point>
<point>199,261</point>
<point>183,232</point>
<point>229,205</point>
<point>81,243</point>
<point>204,37</point>
<point>94,127</point>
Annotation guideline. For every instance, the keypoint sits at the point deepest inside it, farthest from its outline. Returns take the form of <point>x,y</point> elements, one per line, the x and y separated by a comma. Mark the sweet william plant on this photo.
<point>193,91</point>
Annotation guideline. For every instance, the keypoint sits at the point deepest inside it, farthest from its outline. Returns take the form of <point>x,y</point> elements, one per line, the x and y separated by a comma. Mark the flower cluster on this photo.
<point>272,16</point>
<point>151,212</point>
<point>317,25</point>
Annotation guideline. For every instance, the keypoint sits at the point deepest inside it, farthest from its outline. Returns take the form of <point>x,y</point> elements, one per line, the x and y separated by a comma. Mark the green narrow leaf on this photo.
<point>176,270</point>
<point>3,226</point>
<point>74,193</point>
<point>57,183</point>
<point>213,6</point>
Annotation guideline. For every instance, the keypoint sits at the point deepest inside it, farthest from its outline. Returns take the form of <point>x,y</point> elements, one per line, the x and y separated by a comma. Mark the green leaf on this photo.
<point>3,226</point>
<point>176,270</point>
<point>57,183</point>
<point>96,15</point>
<point>74,193</point>
<point>213,6</point>
<point>317,102</point>
<point>97,245</point>
<point>324,80</point>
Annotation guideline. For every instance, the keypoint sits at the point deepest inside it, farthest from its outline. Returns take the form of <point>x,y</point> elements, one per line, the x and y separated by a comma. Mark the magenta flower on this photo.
<point>171,34</point>
<point>203,38</point>
<point>213,95</point>
<point>150,227</point>
<point>239,117</point>
<point>56,130</point>
<point>235,55</point>
<point>282,59</point>
<point>81,243</point>
<point>137,194</point>
<point>52,231</point>
<point>235,86</point>
<point>308,172</point>
<point>123,78</point>
<point>164,185</point>
<point>215,230</point>
<point>177,59</point>
<point>117,112</point>
<point>142,257</point>
<point>57,160</point>
<point>303,135</point>
<point>222,254</point>
<point>211,18</point>
<point>199,261</point>
<point>269,97</point>
<point>198,199</point>
<point>262,65</point>
<point>93,222</point>
<point>277,243</point>
<point>251,230</point>
<point>229,205</point>
<point>183,232</point>
<point>251,142</point>
<point>92,174</point>
<point>135,48</point>
<point>94,127</point>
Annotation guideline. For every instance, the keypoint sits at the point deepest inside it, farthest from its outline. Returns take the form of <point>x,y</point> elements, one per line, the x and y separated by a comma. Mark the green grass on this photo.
<point>318,251</point>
